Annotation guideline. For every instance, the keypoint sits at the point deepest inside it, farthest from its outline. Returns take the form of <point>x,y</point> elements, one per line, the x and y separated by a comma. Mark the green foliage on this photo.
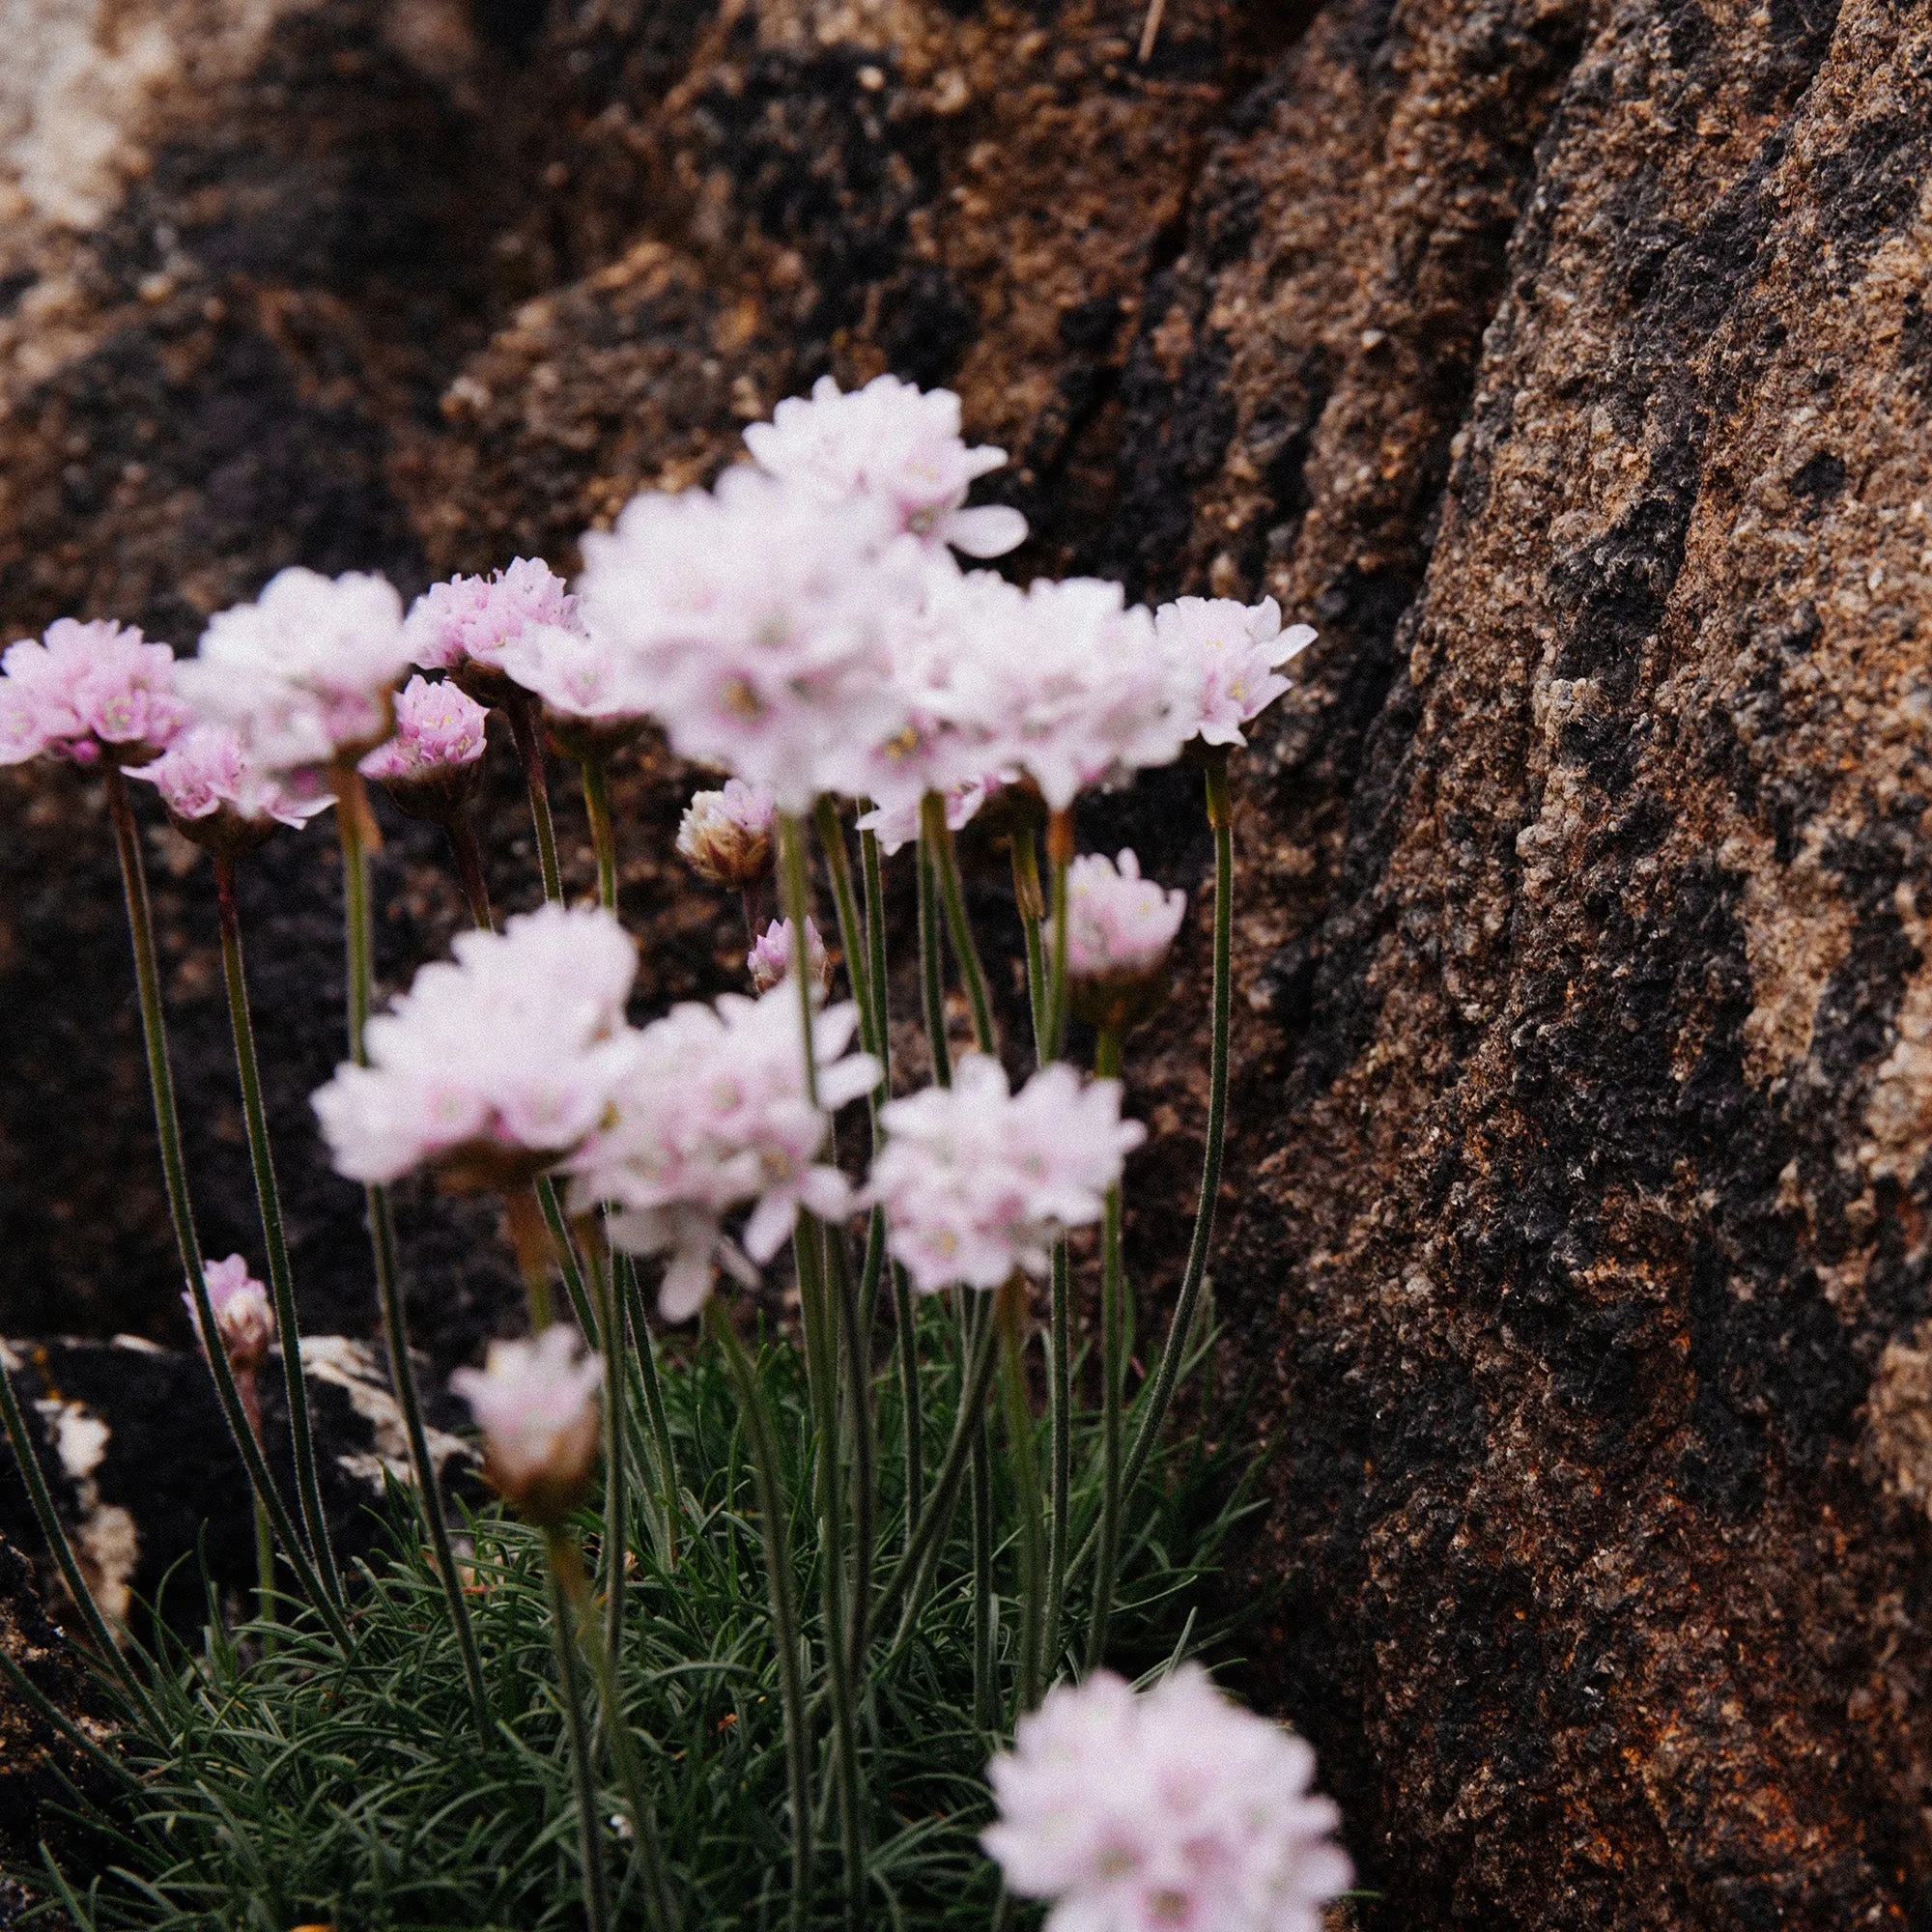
<point>306,1786</point>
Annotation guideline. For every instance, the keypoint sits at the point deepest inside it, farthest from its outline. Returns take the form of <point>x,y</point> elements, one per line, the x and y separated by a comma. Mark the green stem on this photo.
<point>617,1453</point>
<point>469,856</point>
<point>876,941</point>
<point>985,1692</point>
<point>1009,1311</point>
<point>1160,1392</point>
<point>852,1334</point>
<point>1031,910</point>
<point>174,1172</point>
<point>1107,1066</point>
<point>1060,856</point>
<point>909,1401</point>
<point>566,1254</point>
<point>1060,1397</point>
<point>852,936</point>
<point>932,972</point>
<point>264,1574</point>
<point>268,1198</point>
<point>589,1823</point>
<point>646,1356</point>
<point>527,730</point>
<point>352,810</point>
<point>27,1461</point>
<point>936,833</point>
<point>783,1606</point>
<point>603,833</point>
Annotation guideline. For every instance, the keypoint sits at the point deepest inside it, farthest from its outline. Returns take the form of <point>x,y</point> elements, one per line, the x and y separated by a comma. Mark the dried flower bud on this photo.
<point>725,837</point>
<point>536,1405</point>
<point>770,959</point>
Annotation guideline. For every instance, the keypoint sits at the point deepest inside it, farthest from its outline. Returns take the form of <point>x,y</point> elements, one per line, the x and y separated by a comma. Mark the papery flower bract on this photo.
<point>217,800</point>
<point>770,959</point>
<point>1173,1807</point>
<point>977,1180</point>
<point>1120,928</point>
<point>594,694</point>
<point>711,1115</point>
<point>496,1064</point>
<point>431,765</point>
<point>536,1404</point>
<point>894,443</point>
<point>305,675</point>
<point>86,691</point>
<point>758,618</point>
<point>1225,661</point>
<point>461,625</point>
<point>244,1317</point>
<point>725,837</point>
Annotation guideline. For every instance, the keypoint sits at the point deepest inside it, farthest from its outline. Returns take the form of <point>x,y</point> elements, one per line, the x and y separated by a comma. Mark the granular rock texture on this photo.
<point>1567,362</point>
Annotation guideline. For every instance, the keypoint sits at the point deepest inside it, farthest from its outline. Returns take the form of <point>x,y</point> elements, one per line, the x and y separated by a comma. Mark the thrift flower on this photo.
<point>536,1403</point>
<point>496,1064</point>
<point>244,1322</point>
<point>770,959</point>
<point>463,625</point>
<point>433,763</point>
<point>593,695</point>
<point>892,444</point>
<point>978,1181</point>
<point>1225,661</point>
<point>1119,929</point>
<point>88,691</point>
<point>217,799</point>
<point>725,837</point>
<point>1171,1807</point>
<point>712,1116</point>
<point>304,674</point>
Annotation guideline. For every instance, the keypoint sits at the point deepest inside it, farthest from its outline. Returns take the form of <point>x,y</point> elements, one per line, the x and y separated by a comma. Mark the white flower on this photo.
<point>1170,1809</point>
<point>492,1065</point>
<point>536,1405</point>
<point>584,680</point>
<point>977,1180</point>
<point>711,1115</point>
<point>1225,661</point>
<point>892,444</point>
<point>304,674</point>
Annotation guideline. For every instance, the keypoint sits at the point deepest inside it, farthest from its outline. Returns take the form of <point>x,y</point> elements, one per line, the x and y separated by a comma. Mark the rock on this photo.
<point>1566,363</point>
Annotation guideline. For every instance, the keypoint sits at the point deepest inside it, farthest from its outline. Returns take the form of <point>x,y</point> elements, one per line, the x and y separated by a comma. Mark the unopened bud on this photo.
<point>770,959</point>
<point>725,835</point>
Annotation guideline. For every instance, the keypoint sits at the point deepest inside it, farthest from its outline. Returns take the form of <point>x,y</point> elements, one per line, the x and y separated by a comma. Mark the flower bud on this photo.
<point>1119,929</point>
<point>244,1319</point>
<point>770,959</point>
<point>536,1404</point>
<point>725,837</point>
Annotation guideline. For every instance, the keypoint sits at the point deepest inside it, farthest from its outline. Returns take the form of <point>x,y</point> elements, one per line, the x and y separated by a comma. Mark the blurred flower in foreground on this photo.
<point>217,799</point>
<point>536,1405</point>
<point>1120,928</point>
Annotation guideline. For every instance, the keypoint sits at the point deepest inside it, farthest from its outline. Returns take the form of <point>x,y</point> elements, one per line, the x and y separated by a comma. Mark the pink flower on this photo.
<point>977,1180</point>
<point>897,825</point>
<point>758,618</point>
<point>891,443</point>
<point>218,800</point>
<point>90,690</point>
<point>461,626</point>
<point>305,675</point>
<point>594,695</point>
<point>431,765</point>
<point>536,1404</point>
<point>1225,661</point>
<point>492,1065</point>
<point>770,959</point>
<point>1117,922</point>
<point>725,837</point>
<point>244,1317</point>
<point>710,1116</point>
<point>1169,1808</point>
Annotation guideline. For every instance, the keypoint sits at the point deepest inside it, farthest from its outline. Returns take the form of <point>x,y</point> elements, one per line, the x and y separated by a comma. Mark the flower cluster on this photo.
<point>88,691</point>
<point>712,1115</point>
<point>536,1405</point>
<point>1173,1807</point>
<point>1225,658</point>
<point>244,1319</point>
<point>977,1180</point>
<point>218,800</point>
<point>496,1064</point>
<point>462,626</point>
<point>431,765</point>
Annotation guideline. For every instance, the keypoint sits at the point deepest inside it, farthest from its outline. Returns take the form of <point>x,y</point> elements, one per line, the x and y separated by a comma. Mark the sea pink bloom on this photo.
<point>594,694</point>
<point>897,825</point>
<point>305,675</point>
<point>711,1116</point>
<point>1119,925</point>
<point>770,959</point>
<point>891,443</point>
<point>214,795</point>
<point>725,837</point>
<point>244,1317</point>
<point>978,1181</point>
<point>494,1064</point>
<point>1170,1809</point>
<point>536,1403</point>
<point>469,620</point>
<point>431,767</point>
<point>90,690</point>
<point>758,618</point>
<point>1225,661</point>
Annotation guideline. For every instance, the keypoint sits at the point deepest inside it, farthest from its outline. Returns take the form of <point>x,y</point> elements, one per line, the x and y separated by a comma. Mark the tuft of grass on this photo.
<point>291,1784</point>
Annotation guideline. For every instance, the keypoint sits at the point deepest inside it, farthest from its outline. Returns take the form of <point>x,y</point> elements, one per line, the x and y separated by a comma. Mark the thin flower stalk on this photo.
<point>985,1688</point>
<point>1031,904</point>
<point>645,1355</point>
<point>1009,1313</point>
<point>565,1250</point>
<point>584,1771</point>
<point>603,833</point>
<point>268,1198</point>
<point>875,945</point>
<point>936,833</point>
<point>616,1447</point>
<point>468,857</point>
<point>1058,856</point>
<point>857,1379</point>
<point>777,1544</point>
<point>1107,1066</point>
<point>383,1247</point>
<point>853,936</point>
<point>174,1172</point>
<point>933,971</point>
<point>524,714</point>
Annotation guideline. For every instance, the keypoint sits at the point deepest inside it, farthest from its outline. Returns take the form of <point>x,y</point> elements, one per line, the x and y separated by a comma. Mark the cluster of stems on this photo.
<point>870,1597</point>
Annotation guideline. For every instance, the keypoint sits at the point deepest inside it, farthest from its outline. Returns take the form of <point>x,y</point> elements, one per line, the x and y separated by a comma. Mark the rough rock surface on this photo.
<point>1567,362</point>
